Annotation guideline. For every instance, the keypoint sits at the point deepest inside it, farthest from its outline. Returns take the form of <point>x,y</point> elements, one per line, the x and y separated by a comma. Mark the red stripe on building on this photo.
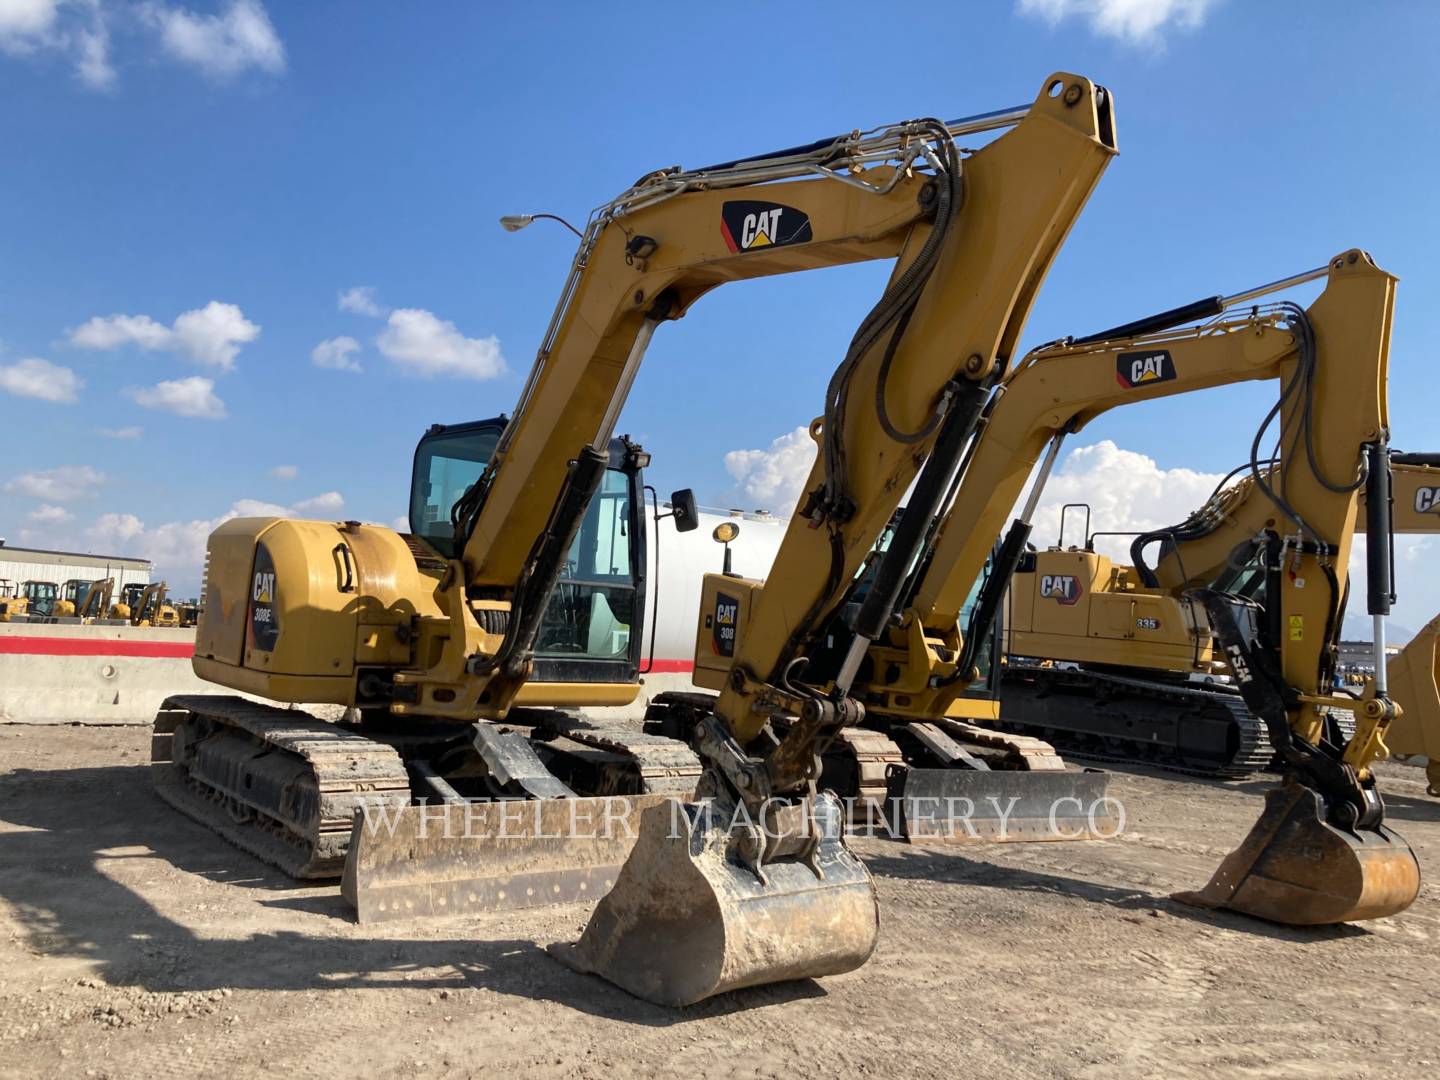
<point>59,646</point>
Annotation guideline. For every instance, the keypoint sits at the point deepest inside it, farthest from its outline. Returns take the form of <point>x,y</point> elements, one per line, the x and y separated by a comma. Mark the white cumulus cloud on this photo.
<point>223,45</point>
<point>336,353</point>
<point>1132,21</point>
<point>193,397</point>
<point>24,22</point>
<point>1126,492</point>
<point>47,514</point>
<point>773,478</point>
<point>130,432</point>
<point>361,300</point>
<point>326,504</point>
<point>177,548</point>
<point>417,341</point>
<point>285,472</point>
<point>36,378</point>
<point>64,483</point>
<point>74,28</point>
<point>211,335</point>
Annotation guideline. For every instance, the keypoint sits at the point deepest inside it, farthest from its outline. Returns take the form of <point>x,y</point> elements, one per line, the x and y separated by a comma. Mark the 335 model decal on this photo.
<point>747,225</point>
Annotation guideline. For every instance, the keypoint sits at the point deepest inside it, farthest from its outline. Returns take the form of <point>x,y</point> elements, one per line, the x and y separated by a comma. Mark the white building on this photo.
<point>19,565</point>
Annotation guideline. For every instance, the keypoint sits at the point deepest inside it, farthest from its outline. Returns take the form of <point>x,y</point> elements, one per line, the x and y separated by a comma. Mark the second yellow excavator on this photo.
<point>1120,663</point>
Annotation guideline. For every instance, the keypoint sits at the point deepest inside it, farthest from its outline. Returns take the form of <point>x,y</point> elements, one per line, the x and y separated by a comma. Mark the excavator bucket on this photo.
<point>1296,868</point>
<point>1415,687</point>
<point>686,921</point>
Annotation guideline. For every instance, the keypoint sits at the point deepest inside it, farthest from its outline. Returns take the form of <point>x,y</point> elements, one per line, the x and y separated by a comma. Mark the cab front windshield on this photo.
<point>592,609</point>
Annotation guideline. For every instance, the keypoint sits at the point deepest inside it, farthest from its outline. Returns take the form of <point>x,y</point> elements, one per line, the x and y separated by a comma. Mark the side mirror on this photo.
<point>682,509</point>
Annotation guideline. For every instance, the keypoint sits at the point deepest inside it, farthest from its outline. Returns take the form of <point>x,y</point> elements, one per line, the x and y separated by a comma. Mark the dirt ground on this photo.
<point>134,943</point>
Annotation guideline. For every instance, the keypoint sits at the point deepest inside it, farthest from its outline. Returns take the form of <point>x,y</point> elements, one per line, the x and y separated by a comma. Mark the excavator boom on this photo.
<point>758,884</point>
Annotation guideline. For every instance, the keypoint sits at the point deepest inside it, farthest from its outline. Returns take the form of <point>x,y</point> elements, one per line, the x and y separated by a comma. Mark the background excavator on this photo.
<point>86,600</point>
<point>425,639</point>
<point>1320,851</point>
<point>1120,663</point>
<point>144,605</point>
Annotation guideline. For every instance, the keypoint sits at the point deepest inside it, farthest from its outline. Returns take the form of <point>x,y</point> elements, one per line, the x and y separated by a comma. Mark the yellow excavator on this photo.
<point>144,605</point>
<point>12,602</point>
<point>33,600</point>
<point>426,638</point>
<point>84,599</point>
<point>1120,663</point>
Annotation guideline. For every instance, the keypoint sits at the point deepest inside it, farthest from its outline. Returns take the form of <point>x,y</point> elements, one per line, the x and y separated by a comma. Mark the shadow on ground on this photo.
<point>929,864</point>
<point>75,824</point>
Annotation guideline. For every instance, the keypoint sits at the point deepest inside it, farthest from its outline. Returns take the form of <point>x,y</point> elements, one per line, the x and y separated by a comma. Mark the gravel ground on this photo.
<point>134,943</point>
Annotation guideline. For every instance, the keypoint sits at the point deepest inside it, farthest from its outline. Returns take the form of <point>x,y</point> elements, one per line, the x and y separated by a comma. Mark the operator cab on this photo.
<point>592,628</point>
<point>42,596</point>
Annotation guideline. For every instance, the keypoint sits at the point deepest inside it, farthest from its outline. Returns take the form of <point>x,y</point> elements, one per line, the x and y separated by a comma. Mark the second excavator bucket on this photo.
<point>1415,686</point>
<point>1295,867</point>
<point>686,920</point>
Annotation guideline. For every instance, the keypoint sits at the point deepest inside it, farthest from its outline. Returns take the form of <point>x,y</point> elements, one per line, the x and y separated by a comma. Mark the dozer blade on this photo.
<point>966,806</point>
<point>421,861</point>
<point>1296,868</point>
<point>685,921</point>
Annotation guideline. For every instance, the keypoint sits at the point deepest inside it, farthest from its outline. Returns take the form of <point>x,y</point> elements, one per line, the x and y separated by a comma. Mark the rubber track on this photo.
<point>1252,755</point>
<point>346,769</point>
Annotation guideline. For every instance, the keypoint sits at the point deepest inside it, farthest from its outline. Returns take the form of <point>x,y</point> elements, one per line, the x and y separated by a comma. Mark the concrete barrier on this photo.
<point>56,673</point>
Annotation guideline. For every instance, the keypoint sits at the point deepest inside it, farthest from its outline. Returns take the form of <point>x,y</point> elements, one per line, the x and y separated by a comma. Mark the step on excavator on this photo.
<point>435,645</point>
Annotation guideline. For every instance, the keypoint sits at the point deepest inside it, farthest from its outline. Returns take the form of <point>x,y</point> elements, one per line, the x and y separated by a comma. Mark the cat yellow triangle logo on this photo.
<point>748,224</point>
<point>1132,369</point>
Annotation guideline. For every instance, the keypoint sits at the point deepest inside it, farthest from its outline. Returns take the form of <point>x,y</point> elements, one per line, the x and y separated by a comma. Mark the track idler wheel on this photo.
<point>1295,867</point>
<point>687,919</point>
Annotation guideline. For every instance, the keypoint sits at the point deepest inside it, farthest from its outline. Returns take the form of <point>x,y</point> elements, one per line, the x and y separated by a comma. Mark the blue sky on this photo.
<point>251,163</point>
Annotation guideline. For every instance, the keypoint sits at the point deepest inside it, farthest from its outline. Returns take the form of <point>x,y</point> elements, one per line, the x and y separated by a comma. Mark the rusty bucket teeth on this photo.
<point>685,920</point>
<point>1294,867</point>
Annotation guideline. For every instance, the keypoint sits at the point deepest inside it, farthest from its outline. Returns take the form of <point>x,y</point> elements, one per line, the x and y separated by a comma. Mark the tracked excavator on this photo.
<point>1119,663</point>
<point>429,641</point>
<point>86,600</point>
